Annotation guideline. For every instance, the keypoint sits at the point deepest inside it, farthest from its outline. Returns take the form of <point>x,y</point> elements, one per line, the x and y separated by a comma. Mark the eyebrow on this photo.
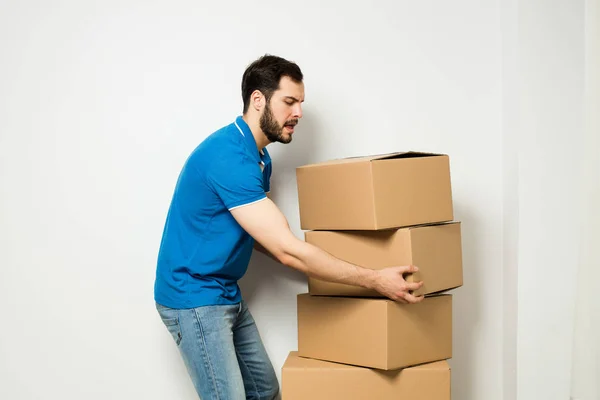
<point>293,98</point>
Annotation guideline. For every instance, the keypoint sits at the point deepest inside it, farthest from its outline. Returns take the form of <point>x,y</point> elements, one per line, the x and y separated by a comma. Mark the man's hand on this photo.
<point>390,283</point>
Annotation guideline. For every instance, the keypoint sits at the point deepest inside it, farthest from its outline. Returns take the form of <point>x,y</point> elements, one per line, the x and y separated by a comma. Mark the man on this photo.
<point>219,210</point>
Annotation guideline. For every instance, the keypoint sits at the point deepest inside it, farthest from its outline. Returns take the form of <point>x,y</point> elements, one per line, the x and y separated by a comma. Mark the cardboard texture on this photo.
<point>375,192</point>
<point>375,333</point>
<point>435,249</point>
<point>309,379</point>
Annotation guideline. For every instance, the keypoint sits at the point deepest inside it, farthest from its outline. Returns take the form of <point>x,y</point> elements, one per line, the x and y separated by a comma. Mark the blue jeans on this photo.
<point>222,351</point>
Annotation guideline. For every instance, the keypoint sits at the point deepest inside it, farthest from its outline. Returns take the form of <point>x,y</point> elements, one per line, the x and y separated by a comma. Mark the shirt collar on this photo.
<point>245,131</point>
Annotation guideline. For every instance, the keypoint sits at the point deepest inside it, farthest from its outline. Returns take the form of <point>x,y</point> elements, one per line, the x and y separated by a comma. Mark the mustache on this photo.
<point>291,122</point>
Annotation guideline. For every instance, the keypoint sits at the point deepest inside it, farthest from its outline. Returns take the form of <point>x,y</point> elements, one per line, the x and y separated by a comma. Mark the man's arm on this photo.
<point>259,247</point>
<point>268,226</point>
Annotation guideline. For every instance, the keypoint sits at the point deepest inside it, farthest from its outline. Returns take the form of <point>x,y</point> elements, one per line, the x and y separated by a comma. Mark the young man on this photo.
<point>219,211</point>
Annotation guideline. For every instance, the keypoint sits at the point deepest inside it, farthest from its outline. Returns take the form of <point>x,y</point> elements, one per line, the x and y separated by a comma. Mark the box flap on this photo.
<point>436,365</point>
<point>374,157</point>
<point>294,361</point>
<point>412,227</point>
<point>406,154</point>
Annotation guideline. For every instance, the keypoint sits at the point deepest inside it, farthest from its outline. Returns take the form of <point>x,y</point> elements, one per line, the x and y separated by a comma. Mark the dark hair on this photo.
<point>264,74</point>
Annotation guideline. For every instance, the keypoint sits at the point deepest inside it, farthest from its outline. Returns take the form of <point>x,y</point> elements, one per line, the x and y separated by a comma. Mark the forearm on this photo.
<point>319,264</point>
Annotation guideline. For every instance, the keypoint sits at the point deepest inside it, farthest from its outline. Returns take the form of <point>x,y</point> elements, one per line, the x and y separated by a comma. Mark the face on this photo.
<point>282,113</point>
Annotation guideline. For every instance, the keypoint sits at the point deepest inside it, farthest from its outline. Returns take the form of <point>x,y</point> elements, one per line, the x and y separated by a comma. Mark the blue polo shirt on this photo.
<point>204,251</point>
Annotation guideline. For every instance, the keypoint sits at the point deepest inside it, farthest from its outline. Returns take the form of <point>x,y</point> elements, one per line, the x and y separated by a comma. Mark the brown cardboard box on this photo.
<point>375,333</point>
<point>308,379</point>
<point>375,192</point>
<point>435,249</point>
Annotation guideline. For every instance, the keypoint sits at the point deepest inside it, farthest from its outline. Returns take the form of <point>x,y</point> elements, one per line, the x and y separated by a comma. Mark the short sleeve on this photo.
<point>237,183</point>
<point>267,177</point>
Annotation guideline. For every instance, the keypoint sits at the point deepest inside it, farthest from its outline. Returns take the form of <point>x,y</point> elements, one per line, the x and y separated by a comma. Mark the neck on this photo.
<point>253,122</point>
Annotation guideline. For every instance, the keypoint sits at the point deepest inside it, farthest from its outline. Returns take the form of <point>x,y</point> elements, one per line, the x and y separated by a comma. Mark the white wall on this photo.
<point>586,346</point>
<point>510,193</point>
<point>550,88</point>
<point>102,101</point>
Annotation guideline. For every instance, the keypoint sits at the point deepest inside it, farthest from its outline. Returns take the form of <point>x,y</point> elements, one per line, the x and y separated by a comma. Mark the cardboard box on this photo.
<point>435,249</point>
<point>308,379</point>
<point>375,192</point>
<point>375,333</point>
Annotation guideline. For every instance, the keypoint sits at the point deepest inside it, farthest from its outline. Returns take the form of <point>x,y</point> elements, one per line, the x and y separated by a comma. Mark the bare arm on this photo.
<point>259,247</point>
<point>268,226</point>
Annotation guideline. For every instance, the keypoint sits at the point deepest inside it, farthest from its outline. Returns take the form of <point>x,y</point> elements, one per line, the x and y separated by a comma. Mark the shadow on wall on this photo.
<point>467,303</point>
<point>263,273</point>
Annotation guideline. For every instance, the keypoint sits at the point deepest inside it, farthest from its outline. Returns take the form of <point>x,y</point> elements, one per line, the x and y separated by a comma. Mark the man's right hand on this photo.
<point>390,283</point>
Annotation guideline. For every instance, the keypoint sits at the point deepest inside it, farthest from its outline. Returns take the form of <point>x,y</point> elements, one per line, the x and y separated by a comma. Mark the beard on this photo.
<point>272,130</point>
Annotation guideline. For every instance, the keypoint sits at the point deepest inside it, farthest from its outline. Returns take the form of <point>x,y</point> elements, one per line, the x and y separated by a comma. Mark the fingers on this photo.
<point>400,299</point>
<point>396,288</point>
<point>408,269</point>
<point>411,299</point>
<point>414,285</point>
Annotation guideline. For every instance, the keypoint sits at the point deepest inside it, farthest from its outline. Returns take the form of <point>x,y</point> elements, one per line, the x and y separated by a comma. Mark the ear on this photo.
<point>257,100</point>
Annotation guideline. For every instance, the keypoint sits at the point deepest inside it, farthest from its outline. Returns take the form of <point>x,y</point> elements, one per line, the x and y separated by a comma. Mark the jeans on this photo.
<point>222,351</point>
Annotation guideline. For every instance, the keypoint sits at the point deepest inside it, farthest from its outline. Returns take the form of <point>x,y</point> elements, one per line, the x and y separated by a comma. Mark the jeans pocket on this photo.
<point>173,327</point>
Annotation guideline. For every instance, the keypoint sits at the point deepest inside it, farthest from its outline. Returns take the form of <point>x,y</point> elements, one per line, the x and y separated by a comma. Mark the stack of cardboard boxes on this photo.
<point>377,212</point>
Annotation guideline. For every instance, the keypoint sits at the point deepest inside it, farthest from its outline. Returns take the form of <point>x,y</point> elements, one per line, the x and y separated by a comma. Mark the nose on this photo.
<point>298,111</point>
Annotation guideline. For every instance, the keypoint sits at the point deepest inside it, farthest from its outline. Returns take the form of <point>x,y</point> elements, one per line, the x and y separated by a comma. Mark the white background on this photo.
<point>101,102</point>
